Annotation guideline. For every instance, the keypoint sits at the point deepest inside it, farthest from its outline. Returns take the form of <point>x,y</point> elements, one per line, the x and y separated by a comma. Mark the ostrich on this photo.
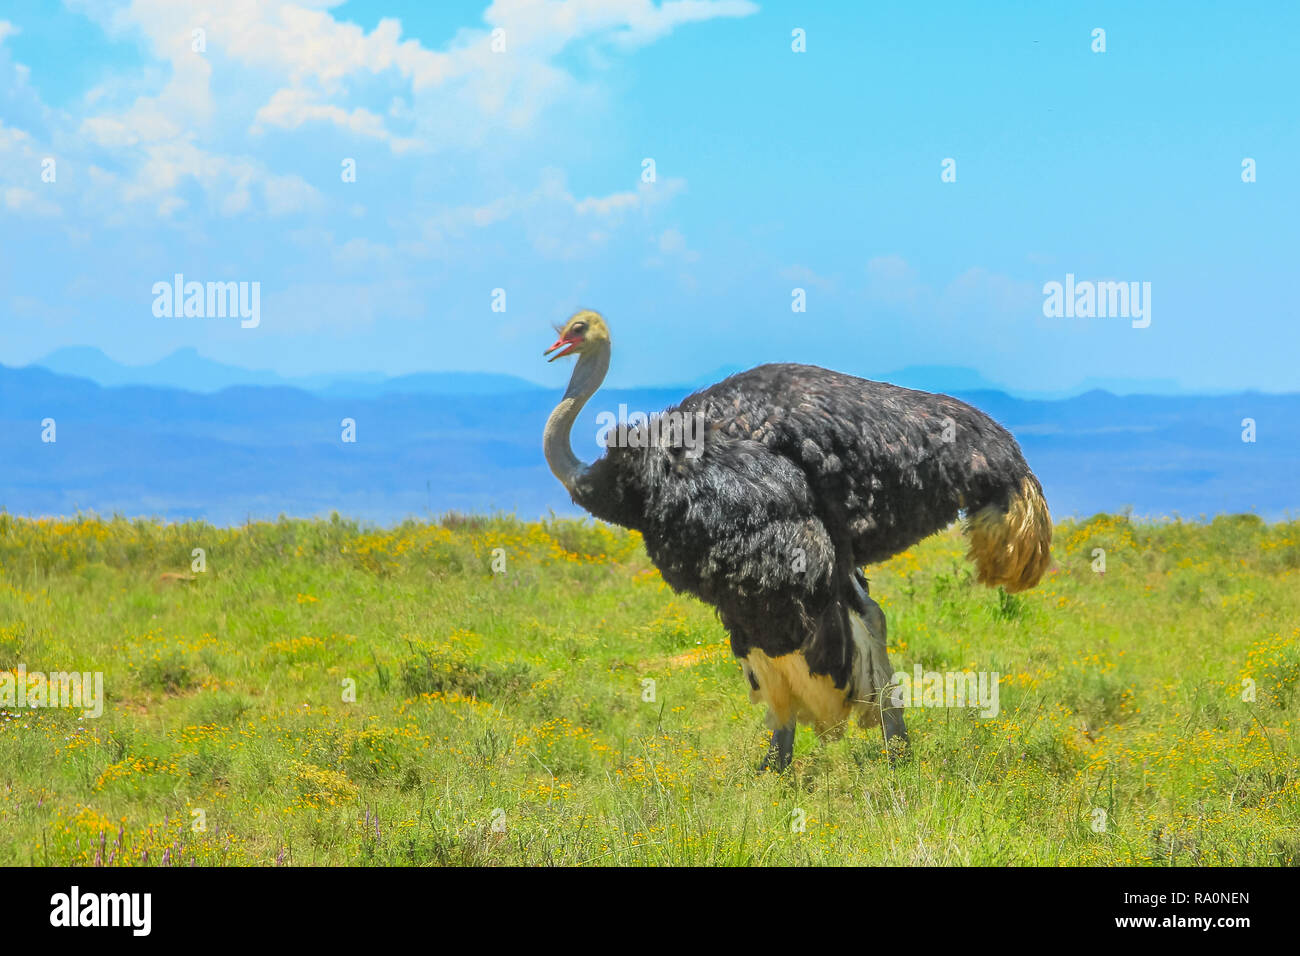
<point>800,477</point>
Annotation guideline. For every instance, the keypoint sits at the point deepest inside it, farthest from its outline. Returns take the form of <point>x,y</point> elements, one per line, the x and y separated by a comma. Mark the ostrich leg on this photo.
<point>882,675</point>
<point>781,750</point>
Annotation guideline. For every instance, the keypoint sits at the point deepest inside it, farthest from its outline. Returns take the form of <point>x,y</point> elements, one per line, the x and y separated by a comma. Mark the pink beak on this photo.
<point>571,343</point>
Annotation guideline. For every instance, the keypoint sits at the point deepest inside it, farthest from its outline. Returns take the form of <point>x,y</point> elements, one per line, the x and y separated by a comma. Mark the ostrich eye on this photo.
<point>578,329</point>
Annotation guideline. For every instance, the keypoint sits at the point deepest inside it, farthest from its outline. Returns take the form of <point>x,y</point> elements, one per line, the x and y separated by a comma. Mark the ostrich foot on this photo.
<point>896,743</point>
<point>780,751</point>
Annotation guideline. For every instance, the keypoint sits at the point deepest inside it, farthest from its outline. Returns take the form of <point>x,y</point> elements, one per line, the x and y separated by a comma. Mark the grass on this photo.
<point>325,693</point>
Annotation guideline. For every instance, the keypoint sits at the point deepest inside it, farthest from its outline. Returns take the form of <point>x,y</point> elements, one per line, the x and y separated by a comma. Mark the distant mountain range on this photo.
<point>186,369</point>
<point>449,441</point>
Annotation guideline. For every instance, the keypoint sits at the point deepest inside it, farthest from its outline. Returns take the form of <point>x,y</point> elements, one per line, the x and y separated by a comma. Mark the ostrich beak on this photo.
<point>571,343</point>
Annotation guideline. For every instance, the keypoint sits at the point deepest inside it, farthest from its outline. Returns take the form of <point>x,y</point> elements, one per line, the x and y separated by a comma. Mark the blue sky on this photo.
<point>521,170</point>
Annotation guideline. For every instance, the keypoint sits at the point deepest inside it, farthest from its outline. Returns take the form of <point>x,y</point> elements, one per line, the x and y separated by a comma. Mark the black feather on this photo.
<point>805,475</point>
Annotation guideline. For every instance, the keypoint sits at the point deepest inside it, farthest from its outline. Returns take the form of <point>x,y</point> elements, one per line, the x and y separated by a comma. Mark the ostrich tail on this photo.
<point>1011,544</point>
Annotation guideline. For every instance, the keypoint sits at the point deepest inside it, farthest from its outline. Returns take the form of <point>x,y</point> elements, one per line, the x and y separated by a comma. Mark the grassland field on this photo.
<point>1148,714</point>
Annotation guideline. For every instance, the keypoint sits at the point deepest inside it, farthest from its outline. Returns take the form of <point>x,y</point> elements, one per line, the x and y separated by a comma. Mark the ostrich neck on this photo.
<point>587,376</point>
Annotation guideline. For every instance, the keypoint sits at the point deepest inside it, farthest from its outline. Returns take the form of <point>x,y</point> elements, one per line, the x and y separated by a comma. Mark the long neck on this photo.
<point>587,376</point>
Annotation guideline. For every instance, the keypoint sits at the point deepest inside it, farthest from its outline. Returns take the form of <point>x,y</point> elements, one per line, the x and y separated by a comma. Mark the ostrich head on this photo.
<point>585,331</point>
<point>586,336</point>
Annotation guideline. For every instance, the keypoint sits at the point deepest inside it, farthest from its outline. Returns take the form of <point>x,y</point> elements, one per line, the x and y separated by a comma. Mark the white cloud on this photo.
<point>13,139</point>
<point>608,205</point>
<point>21,187</point>
<point>892,268</point>
<point>978,292</point>
<point>291,108</point>
<point>16,197</point>
<point>230,181</point>
<point>977,296</point>
<point>361,253</point>
<point>645,196</point>
<point>289,67</point>
<point>561,225</point>
<point>671,245</point>
<point>628,23</point>
<point>316,60</point>
<point>805,276</point>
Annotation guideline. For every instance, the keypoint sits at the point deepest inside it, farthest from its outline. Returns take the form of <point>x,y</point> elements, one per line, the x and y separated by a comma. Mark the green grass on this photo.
<point>500,719</point>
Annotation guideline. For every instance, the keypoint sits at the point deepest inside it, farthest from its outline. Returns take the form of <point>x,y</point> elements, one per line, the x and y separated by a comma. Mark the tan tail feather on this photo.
<point>1012,548</point>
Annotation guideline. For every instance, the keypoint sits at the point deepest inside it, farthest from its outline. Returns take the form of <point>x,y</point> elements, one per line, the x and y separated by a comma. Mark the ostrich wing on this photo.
<point>803,476</point>
<point>738,527</point>
<point>885,466</point>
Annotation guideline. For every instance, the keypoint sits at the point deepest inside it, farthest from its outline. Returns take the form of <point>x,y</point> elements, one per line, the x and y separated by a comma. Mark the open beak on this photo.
<point>571,343</point>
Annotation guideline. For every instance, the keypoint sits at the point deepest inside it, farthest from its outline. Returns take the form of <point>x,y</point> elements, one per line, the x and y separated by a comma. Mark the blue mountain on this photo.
<point>262,450</point>
<point>186,369</point>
